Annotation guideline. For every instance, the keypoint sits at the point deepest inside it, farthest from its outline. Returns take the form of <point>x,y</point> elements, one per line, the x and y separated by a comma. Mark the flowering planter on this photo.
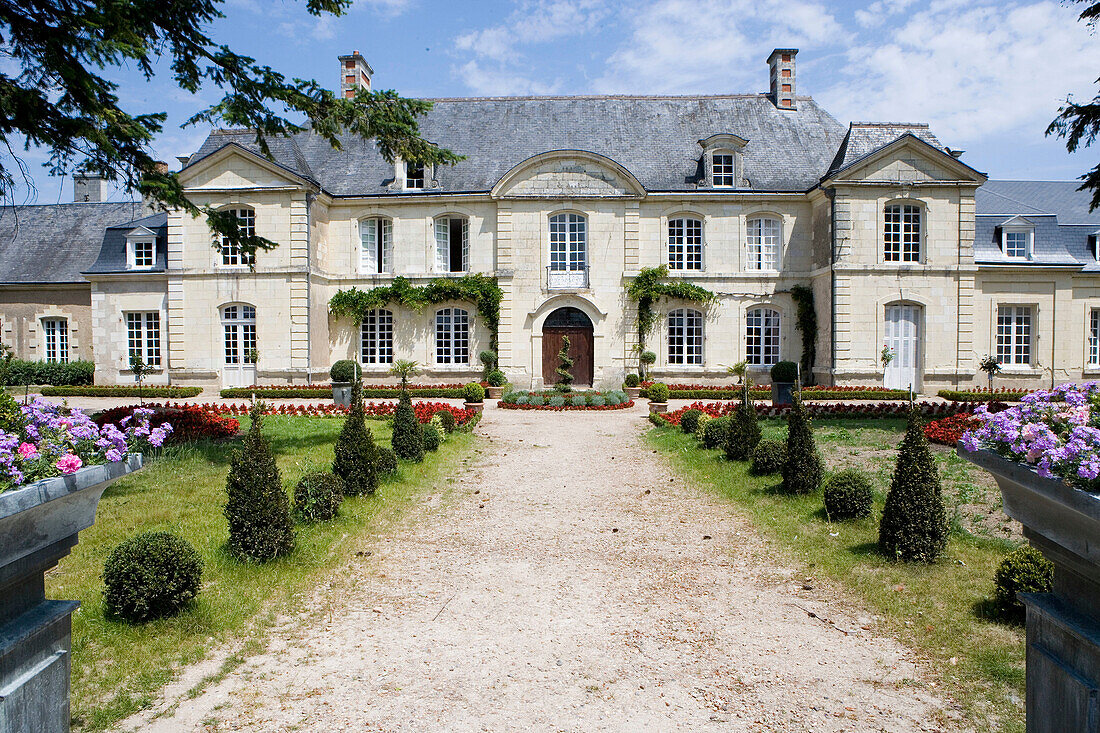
<point>658,407</point>
<point>341,394</point>
<point>38,526</point>
<point>781,393</point>
<point>1063,627</point>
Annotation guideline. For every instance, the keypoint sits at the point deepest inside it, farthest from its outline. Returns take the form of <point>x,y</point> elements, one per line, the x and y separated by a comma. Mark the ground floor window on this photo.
<point>376,334</point>
<point>55,332</point>
<point>762,337</point>
<point>452,336</point>
<point>1094,337</point>
<point>239,327</point>
<point>1014,335</point>
<point>685,336</point>
<point>143,336</point>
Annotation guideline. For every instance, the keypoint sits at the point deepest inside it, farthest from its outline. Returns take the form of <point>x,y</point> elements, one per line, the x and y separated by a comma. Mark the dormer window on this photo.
<point>1016,238</point>
<point>141,249</point>
<point>723,161</point>
<point>1016,244</point>
<point>414,176</point>
<point>722,170</point>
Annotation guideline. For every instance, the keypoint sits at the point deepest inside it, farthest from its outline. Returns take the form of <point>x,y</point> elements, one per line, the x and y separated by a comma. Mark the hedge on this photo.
<point>317,393</point>
<point>120,391</point>
<point>21,372</point>
<point>983,395</point>
<point>734,393</point>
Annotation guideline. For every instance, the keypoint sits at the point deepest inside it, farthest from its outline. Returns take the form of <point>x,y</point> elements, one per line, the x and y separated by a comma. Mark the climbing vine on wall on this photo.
<point>806,323</point>
<point>650,285</point>
<point>481,290</point>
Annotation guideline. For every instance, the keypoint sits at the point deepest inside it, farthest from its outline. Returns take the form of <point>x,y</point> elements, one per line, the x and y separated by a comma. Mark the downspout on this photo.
<point>1053,330</point>
<point>309,287</point>
<point>958,286</point>
<point>831,193</point>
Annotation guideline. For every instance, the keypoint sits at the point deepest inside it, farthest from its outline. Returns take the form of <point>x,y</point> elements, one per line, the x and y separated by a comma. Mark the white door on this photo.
<point>239,342</point>
<point>903,339</point>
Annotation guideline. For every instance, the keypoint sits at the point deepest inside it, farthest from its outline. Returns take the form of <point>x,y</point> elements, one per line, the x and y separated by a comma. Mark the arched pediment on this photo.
<point>568,174</point>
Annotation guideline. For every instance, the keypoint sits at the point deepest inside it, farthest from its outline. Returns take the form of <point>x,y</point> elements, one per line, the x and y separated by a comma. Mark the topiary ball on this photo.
<point>447,419</point>
<point>658,392</point>
<point>768,457</point>
<point>496,378</point>
<point>432,437</point>
<point>631,380</point>
<point>317,496</point>
<point>848,495</point>
<point>1024,570</point>
<point>784,372</point>
<point>689,421</point>
<point>385,461</point>
<point>473,393</point>
<point>714,434</point>
<point>345,371</point>
<point>150,575</point>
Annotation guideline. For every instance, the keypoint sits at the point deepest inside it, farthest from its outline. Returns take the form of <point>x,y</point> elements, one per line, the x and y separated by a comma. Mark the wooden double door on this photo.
<point>580,351</point>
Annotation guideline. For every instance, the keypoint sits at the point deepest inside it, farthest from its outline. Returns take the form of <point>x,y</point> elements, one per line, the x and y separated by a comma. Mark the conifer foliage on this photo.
<point>356,459</point>
<point>565,377</point>
<point>744,432</point>
<point>408,439</point>
<point>914,522</point>
<point>258,510</point>
<point>803,470</point>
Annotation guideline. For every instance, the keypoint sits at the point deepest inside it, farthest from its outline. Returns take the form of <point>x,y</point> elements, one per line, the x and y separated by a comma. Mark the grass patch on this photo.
<point>119,668</point>
<point>935,609</point>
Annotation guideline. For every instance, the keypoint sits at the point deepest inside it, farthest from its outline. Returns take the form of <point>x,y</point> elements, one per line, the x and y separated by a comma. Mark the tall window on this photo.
<point>685,336</point>
<point>376,245</point>
<point>143,337</point>
<point>568,242</point>
<point>55,332</point>
<point>376,332</point>
<point>452,336</point>
<point>1094,337</point>
<point>1016,244</point>
<point>1014,334</point>
<point>239,326</point>
<point>452,244</point>
<point>762,337</point>
<point>685,244</point>
<point>231,253</point>
<point>902,233</point>
<point>143,254</point>
<point>764,235</point>
<point>414,175</point>
<point>722,170</point>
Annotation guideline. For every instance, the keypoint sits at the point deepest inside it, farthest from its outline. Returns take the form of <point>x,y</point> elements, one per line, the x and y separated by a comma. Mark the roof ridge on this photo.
<point>555,97</point>
<point>67,203</point>
<point>923,125</point>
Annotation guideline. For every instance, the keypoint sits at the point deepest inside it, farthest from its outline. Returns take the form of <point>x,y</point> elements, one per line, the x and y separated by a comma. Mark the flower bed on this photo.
<point>120,391</point>
<point>949,430</point>
<point>189,422</point>
<point>558,401</point>
<point>324,391</point>
<point>380,410</point>
<point>46,440</point>
<point>758,392</point>
<point>838,409</point>
<point>984,395</point>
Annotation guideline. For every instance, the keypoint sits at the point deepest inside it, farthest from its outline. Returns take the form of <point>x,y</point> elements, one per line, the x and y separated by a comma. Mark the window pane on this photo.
<point>763,242</point>
<point>246,223</point>
<point>1016,244</point>
<point>762,337</point>
<point>568,242</point>
<point>377,337</point>
<point>1014,335</point>
<point>1094,337</point>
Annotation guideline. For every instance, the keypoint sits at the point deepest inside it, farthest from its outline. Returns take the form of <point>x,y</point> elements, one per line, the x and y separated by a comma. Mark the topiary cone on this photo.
<point>565,377</point>
<point>407,440</point>
<point>914,521</point>
<point>355,460</point>
<point>744,432</point>
<point>803,470</point>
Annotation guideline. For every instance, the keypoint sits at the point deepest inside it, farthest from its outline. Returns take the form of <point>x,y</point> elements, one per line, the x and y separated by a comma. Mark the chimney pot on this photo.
<point>782,77</point>
<point>355,74</point>
<point>89,188</point>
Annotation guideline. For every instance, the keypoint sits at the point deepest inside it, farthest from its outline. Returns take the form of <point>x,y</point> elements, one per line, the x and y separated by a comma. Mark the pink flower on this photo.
<point>27,450</point>
<point>69,463</point>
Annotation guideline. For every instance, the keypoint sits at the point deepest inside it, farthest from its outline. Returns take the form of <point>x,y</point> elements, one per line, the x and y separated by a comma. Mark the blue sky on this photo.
<point>988,75</point>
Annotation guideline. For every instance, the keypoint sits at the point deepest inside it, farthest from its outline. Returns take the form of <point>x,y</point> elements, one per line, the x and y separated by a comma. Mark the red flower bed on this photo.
<point>189,422</point>
<point>561,408</point>
<point>949,430</point>
<point>838,409</point>
<point>423,410</point>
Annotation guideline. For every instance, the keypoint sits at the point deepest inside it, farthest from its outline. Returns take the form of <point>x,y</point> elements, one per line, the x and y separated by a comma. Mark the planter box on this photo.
<point>1063,627</point>
<point>38,526</point>
<point>781,393</point>
<point>341,394</point>
<point>475,406</point>
<point>657,407</point>
<point>495,393</point>
<point>633,392</point>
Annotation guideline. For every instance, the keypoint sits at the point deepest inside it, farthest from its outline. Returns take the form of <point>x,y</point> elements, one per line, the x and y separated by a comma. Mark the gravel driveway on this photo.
<point>573,584</point>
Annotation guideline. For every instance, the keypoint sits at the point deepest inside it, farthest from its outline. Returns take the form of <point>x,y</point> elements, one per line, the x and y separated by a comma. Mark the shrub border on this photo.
<point>734,393</point>
<point>983,395</point>
<point>560,408</point>
<point>318,393</point>
<point>119,391</point>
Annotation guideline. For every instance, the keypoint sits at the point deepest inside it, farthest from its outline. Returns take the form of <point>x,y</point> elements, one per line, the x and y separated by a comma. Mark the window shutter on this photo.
<point>1092,247</point>
<point>369,251</point>
<point>442,244</point>
<point>998,237</point>
<point>387,246</point>
<point>465,245</point>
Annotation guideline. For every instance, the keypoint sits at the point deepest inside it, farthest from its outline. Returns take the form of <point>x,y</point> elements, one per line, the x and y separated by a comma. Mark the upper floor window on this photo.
<point>1014,335</point>
<point>1094,337</point>
<point>376,245</point>
<point>902,233</point>
<point>414,175</point>
<point>55,333</point>
<point>232,255</point>
<point>143,337</point>
<point>685,244</point>
<point>685,336</point>
<point>376,337</point>
<point>764,235</point>
<point>568,242</point>
<point>452,244</point>
<point>141,253</point>
<point>722,170</point>
<point>1016,243</point>
<point>452,336</point>
<point>762,337</point>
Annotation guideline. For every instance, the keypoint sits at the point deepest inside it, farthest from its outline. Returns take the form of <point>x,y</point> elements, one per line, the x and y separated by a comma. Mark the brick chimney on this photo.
<point>148,205</point>
<point>89,188</point>
<point>781,67</point>
<point>355,74</point>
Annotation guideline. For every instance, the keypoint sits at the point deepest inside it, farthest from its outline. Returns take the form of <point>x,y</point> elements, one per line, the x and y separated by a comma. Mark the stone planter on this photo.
<point>39,525</point>
<point>1063,627</point>
<point>781,393</point>
<point>495,393</point>
<point>633,392</point>
<point>475,406</point>
<point>656,407</point>
<point>341,393</point>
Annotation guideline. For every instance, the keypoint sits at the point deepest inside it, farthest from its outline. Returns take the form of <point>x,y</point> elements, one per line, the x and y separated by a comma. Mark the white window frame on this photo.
<point>763,336</point>
<point>55,340</point>
<point>685,243</point>
<point>763,242</point>
<point>1014,335</point>
<point>417,183</point>
<point>376,257</point>
<point>899,240</point>
<point>452,336</point>
<point>376,337</point>
<point>239,333</point>
<point>1094,338</point>
<point>231,255</point>
<point>727,178</point>
<point>143,337</point>
<point>684,343</point>
<point>443,261</point>
<point>132,259</point>
<point>1028,235</point>
<point>568,242</point>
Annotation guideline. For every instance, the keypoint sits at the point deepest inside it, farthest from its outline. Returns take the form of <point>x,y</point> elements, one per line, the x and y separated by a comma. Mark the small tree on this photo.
<point>140,370</point>
<point>645,360</point>
<point>488,361</point>
<point>258,510</point>
<point>407,440</point>
<point>991,367</point>
<point>744,432</point>
<point>6,355</point>
<point>739,370</point>
<point>356,458</point>
<point>565,377</point>
<point>404,368</point>
<point>803,470</point>
<point>914,522</point>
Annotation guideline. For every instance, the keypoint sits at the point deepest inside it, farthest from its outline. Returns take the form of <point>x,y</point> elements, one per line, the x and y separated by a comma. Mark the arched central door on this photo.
<point>573,323</point>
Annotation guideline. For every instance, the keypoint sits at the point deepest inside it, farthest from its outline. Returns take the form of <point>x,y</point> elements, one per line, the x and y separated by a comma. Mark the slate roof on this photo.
<point>1058,198</point>
<point>112,251</point>
<point>864,138</point>
<point>54,243</point>
<point>656,138</point>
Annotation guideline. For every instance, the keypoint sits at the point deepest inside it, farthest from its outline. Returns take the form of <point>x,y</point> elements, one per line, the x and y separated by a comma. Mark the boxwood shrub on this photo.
<point>689,421</point>
<point>150,575</point>
<point>716,431</point>
<point>473,392</point>
<point>496,378</point>
<point>631,380</point>
<point>317,496</point>
<point>345,371</point>
<point>768,457</point>
<point>385,461</point>
<point>120,391</point>
<point>785,371</point>
<point>432,436</point>
<point>658,392</point>
<point>1024,570</point>
<point>848,495</point>
<point>22,372</point>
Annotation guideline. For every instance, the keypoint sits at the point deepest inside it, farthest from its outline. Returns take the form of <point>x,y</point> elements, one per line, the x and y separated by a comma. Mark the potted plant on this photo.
<point>632,385</point>
<point>991,367</point>
<point>343,374</point>
<point>658,397</point>
<point>474,394</point>
<point>1045,456</point>
<point>488,361</point>
<point>54,465</point>
<point>496,380</point>
<point>645,360</point>
<point>784,376</point>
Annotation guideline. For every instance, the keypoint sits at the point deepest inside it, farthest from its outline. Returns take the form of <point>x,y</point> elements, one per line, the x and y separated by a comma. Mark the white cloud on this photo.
<point>534,21</point>
<point>484,81</point>
<point>877,12</point>
<point>970,71</point>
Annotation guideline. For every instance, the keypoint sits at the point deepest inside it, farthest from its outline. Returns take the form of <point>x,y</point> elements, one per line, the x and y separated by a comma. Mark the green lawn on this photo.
<point>117,667</point>
<point>935,609</point>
